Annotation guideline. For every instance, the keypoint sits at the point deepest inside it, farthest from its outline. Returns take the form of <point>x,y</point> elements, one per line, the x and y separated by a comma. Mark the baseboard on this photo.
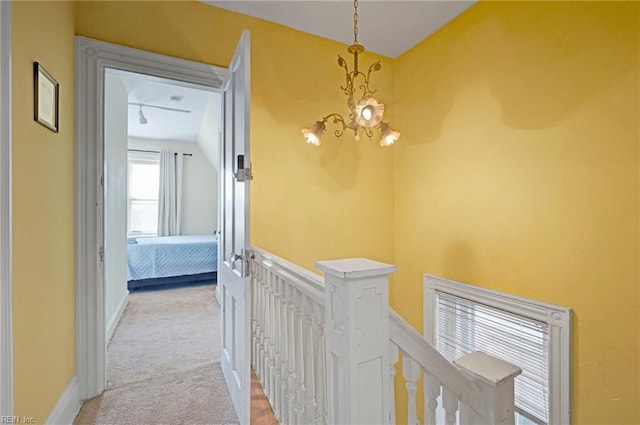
<point>115,319</point>
<point>68,405</point>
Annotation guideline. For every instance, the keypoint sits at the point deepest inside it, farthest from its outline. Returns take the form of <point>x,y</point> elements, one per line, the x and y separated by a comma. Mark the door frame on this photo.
<point>92,57</point>
<point>6,311</point>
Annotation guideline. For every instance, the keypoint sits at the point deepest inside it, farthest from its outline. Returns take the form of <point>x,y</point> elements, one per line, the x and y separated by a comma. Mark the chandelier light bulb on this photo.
<point>366,113</point>
<point>313,134</point>
<point>389,136</point>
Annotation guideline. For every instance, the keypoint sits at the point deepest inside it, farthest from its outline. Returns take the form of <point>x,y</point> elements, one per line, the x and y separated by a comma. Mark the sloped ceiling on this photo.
<point>386,27</point>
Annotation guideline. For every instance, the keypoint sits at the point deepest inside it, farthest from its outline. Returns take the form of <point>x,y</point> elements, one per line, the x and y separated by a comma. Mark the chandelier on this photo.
<point>365,113</point>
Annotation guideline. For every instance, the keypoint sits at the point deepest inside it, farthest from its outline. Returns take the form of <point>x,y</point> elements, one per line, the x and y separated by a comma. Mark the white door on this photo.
<point>233,267</point>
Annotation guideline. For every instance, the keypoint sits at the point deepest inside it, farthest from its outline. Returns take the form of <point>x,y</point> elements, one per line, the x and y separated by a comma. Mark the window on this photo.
<point>535,336</point>
<point>142,199</point>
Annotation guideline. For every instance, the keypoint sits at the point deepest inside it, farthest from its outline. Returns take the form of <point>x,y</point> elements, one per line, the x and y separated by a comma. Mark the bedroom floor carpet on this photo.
<point>163,363</point>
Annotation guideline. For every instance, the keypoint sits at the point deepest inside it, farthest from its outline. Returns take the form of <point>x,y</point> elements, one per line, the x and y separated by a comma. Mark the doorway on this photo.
<point>160,227</point>
<point>93,58</point>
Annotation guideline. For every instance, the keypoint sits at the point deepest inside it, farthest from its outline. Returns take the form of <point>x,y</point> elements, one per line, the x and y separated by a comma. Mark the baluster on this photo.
<point>284,379</point>
<point>299,342</point>
<point>254,314</point>
<point>431,394</point>
<point>265,331</point>
<point>280,347</point>
<point>450,403</point>
<point>411,372</point>
<point>269,340</point>
<point>274,340</point>
<point>309,385</point>
<point>261,323</point>
<point>320,362</point>
<point>393,359</point>
<point>291,353</point>
<point>277,405</point>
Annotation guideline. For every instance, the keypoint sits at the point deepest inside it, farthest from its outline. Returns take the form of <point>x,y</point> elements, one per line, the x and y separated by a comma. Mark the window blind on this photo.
<point>463,326</point>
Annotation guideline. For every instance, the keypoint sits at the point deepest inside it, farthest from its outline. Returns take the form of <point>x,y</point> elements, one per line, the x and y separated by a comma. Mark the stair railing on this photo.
<point>327,350</point>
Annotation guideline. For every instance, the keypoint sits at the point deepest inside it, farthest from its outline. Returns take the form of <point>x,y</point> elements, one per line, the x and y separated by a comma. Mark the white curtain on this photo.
<point>170,196</point>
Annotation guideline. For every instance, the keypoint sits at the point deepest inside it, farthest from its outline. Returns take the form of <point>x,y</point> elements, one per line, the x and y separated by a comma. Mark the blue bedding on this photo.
<point>171,256</point>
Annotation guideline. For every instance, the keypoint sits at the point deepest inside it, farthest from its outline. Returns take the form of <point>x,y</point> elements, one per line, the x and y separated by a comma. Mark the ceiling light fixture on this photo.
<point>142,118</point>
<point>365,114</point>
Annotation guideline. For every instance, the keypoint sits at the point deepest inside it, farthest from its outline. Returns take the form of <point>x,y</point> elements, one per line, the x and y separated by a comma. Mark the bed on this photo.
<point>168,260</point>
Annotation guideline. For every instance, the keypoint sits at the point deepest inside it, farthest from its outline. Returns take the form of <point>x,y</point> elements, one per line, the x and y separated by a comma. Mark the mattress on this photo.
<point>171,256</point>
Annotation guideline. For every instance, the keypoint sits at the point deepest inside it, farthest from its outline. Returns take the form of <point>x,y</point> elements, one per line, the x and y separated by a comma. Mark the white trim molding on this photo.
<point>558,319</point>
<point>6,323</point>
<point>113,321</point>
<point>92,59</point>
<point>68,405</point>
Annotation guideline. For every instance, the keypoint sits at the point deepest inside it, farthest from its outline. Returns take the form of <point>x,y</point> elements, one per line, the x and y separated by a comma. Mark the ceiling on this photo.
<point>161,100</point>
<point>386,27</point>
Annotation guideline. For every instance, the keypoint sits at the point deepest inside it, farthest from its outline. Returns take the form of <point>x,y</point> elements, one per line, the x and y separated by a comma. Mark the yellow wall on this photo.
<point>43,217</point>
<point>518,170</point>
<point>307,203</point>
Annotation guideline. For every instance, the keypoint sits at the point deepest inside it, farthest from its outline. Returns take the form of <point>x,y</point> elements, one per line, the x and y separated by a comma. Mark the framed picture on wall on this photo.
<point>46,92</point>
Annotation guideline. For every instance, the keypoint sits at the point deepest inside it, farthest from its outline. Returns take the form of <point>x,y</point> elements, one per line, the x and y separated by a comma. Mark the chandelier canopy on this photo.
<point>366,114</point>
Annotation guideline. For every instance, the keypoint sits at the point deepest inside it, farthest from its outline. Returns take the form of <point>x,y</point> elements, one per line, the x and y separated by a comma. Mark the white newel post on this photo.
<point>357,338</point>
<point>496,379</point>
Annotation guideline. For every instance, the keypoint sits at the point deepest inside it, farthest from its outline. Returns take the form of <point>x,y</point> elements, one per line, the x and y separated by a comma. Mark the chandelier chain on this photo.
<point>355,22</point>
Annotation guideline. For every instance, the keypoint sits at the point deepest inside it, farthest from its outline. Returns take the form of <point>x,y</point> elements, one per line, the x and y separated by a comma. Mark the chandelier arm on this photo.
<point>348,88</point>
<point>373,68</point>
<point>368,132</point>
<point>366,90</point>
<point>337,119</point>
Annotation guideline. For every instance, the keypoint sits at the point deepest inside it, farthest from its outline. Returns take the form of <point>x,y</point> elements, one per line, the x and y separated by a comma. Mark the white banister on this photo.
<point>450,404</point>
<point>411,373</point>
<point>431,394</point>
<point>394,355</point>
<point>414,345</point>
<point>357,338</point>
<point>320,362</point>
<point>325,352</point>
<point>495,378</point>
<point>291,354</point>
<point>289,332</point>
<point>299,347</point>
<point>309,400</point>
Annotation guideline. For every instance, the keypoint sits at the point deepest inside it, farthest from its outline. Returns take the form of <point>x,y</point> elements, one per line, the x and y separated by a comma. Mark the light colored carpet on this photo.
<point>163,363</point>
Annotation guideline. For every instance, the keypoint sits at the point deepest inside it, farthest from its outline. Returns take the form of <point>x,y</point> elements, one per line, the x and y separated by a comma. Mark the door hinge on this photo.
<point>101,254</point>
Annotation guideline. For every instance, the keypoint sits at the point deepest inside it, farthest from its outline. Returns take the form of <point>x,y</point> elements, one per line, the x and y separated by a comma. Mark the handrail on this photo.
<point>416,346</point>
<point>311,284</point>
